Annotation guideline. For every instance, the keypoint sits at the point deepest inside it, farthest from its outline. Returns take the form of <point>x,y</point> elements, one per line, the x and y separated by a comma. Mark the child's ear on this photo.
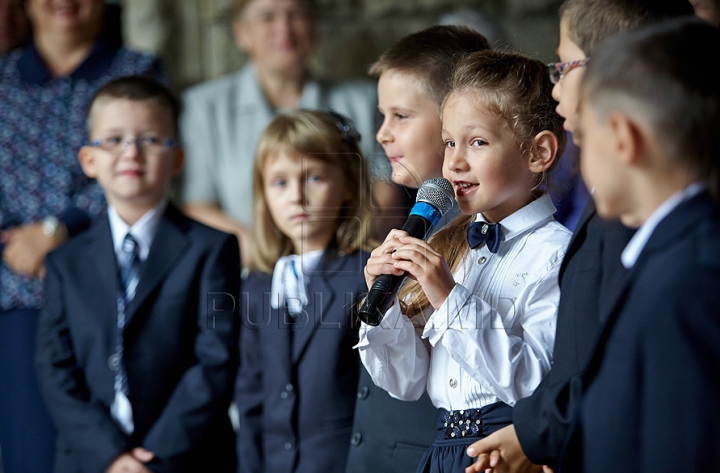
<point>178,161</point>
<point>86,156</point>
<point>628,138</point>
<point>545,147</point>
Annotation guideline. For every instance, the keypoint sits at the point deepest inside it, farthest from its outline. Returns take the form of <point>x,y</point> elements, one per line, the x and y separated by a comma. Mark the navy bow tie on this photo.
<point>479,232</point>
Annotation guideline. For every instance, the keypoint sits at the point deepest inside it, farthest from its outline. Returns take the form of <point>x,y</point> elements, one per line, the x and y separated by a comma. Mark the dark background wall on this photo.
<point>195,39</point>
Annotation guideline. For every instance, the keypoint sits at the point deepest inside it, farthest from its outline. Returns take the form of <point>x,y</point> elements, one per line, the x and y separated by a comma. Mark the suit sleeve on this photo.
<point>249,391</point>
<point>590,283</point>
<point>543,419</point>
<point>204,392</point>
<point>84,424</point>
<point>395,356</point>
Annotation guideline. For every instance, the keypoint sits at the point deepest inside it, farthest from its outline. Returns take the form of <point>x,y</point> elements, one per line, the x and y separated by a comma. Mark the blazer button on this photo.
<point>290,443</point>
<point>356,439</point>
<point>287,391</point>
<point>114,361</point>
<point>363,392</point>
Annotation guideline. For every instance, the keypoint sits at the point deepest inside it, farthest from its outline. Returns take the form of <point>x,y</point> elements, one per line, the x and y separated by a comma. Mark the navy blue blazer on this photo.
<point>180,348</point>
<point>653,378</point>
<point>389,435</point>
<point>590,277</point>
<point>295,389</point>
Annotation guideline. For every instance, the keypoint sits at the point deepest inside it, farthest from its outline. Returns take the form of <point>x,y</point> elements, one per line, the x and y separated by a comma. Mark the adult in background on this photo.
<point>224,117</point>
<point>44,196</point>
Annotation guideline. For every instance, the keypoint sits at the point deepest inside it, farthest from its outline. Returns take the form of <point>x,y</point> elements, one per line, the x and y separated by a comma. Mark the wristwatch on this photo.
<point>52,227</point>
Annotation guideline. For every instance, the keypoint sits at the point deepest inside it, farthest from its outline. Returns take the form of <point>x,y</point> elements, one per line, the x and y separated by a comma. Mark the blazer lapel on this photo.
<point>312,96</point>
<point>283,340</point>
<point>670,230</point>
<point>283,337</point>
<point>251,108</point>
<point>263,327</point>
<point>610,318</point>
<point>321,295</point>
<point>104,281</point>
<point>576,240</point>
<point>168,245</point>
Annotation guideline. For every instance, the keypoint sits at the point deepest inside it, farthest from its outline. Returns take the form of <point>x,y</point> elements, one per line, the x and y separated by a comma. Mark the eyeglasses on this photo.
<point>149,145</point>
<point>558,69</point>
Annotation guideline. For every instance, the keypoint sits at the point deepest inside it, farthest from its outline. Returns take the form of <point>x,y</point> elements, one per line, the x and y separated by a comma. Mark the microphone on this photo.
<point>434,198</point>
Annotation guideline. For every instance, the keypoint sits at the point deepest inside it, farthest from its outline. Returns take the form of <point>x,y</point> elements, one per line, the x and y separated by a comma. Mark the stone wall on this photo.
<point>195,40</point>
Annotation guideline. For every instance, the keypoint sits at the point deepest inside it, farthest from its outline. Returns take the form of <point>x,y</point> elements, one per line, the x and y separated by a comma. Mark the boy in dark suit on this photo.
<point>137,342</point>
<point>650,123</point>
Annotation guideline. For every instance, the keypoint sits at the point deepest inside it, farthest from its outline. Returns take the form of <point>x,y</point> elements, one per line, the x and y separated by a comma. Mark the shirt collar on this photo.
<point>33,70</point>
<point>530,216</point>
<point>301,266</point>
<point>143,230</point>
<point>252,93</point>
<point>311,95</point>
<point>632,251</point>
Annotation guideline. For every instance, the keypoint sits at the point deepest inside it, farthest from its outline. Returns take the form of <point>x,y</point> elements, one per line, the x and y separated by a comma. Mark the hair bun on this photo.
<point>347,128</point>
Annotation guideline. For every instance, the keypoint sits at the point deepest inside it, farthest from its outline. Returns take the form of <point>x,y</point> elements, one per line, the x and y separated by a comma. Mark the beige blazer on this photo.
<point>224,117</point>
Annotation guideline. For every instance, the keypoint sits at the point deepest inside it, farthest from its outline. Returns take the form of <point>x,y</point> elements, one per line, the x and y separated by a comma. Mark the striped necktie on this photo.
<point>129,269</point>
<point>129,276</point>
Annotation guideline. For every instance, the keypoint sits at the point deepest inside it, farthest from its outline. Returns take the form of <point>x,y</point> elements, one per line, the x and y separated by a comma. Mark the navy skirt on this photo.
<point>456,431</point>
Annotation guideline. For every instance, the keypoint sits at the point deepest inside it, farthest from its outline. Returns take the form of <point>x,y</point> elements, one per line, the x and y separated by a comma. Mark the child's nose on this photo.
<point>131,148</point>
<point>455,161</point>
<point>297,192</point>
<point>383,134</point>
<point>556,91</point>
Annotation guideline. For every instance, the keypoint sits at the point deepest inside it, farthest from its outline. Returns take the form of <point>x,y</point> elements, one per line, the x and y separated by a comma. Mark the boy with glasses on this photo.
<point>650,125</point>
<point>137,342</point>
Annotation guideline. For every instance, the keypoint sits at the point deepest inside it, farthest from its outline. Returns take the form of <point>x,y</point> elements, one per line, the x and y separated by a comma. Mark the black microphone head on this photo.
<point>437,192</point>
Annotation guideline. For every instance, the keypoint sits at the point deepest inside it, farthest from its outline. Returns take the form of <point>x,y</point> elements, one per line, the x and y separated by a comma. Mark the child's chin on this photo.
<point>467,208</point>
<point>404,178</point>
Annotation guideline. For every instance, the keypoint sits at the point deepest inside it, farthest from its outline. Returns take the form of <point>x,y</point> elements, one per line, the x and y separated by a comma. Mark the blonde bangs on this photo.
<point>313,135</point>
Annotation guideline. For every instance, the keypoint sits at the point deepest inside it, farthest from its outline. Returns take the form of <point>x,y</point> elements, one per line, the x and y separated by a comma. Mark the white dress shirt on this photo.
<point>143,231</point>
<point>492,338</point>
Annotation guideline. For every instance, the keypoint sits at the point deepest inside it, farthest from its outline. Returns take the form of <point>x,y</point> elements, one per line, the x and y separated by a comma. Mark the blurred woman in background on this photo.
<point>224,117</point>
<point>45,89</point>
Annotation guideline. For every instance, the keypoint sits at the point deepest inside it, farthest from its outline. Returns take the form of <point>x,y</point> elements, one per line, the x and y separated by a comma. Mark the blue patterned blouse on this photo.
<point>42,128</point>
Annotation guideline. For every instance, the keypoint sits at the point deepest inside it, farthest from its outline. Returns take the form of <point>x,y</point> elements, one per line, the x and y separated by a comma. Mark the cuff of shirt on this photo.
<point>386,332</point>
<point>444,317</point>
<point>75,220</point>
